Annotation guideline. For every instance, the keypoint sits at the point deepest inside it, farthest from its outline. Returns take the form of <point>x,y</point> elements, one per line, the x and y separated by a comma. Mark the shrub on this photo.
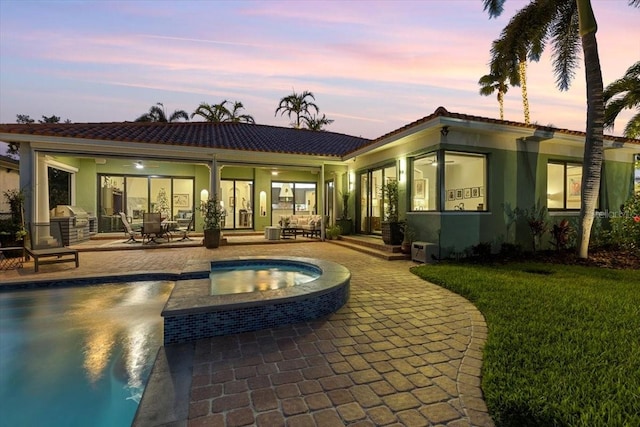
<point>561,233</point>
<point>536,219</point>
<point>625,228</point>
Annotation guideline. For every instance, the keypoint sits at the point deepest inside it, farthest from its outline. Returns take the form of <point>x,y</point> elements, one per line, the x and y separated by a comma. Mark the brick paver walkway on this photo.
<point>401,352</point>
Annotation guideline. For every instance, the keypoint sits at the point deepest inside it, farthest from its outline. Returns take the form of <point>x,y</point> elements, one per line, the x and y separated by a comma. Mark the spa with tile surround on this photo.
<point>194,312</point>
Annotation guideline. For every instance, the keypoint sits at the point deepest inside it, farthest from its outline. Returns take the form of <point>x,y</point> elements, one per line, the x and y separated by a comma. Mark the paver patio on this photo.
<point>402,351</point>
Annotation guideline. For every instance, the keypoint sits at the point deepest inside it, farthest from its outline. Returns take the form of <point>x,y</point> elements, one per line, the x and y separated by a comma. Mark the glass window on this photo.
<point>288,198</point>
<point>423,187</point>
<point>564,184</point>
<point>465,181</point>
<point>59,187</point>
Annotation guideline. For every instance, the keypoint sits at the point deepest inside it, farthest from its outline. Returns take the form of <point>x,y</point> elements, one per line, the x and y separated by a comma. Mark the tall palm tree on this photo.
<point>520,41</point>
<point>569,24</point>
<point>219,113</point>
<point>624,93</point>
<point>157,114</point>
<point>490,83</point>
<point>316,123</point>
<point>298,105</point>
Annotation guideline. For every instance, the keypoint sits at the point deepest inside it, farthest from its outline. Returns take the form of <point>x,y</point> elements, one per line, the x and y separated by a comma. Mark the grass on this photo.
<point>563,347</point>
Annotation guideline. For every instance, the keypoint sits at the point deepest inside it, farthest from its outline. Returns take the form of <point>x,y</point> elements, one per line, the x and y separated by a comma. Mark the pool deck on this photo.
<point>402,351</point>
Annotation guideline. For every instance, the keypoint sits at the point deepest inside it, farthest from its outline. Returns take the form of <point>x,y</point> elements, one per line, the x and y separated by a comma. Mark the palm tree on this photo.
<point>211,113</point>
<point>157,114</point>
<point>490,83</point>
<point>521,40</point>
<point>218,113</point>
<point>242,118</point>
<point>315,123</point>
<point>297,104</point>
<point>624,93</point>
<point>569,23</point>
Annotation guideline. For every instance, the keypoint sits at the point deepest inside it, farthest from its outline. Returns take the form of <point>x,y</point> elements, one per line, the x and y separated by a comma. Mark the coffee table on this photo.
<point>290,231</point>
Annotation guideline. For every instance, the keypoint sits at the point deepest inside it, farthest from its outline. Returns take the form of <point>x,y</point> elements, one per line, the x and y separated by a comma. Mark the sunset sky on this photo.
<point>373,66</point>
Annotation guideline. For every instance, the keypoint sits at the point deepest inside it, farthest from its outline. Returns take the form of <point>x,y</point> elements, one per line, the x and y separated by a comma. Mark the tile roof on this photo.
<point>443,112</point>
<point>232,136</point>
<point>250,137</point>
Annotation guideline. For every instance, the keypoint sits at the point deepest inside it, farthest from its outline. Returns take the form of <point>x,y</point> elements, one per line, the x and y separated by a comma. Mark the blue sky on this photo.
<point>373,66</point>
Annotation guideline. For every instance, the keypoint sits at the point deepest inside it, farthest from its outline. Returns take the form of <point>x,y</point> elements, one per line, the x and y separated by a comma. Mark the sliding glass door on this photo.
<point>371,202</point>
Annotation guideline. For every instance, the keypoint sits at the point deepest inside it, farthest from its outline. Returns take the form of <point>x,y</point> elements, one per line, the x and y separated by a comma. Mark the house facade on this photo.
<point>9,179</point>
<point>461,177</point>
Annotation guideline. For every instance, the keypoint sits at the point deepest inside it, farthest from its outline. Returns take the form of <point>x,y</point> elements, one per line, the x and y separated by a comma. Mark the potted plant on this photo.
<point>332,232</point>
<point>408,235</point>
<point>345,222</point>
<point>391,227</point>
<point>212,214</point>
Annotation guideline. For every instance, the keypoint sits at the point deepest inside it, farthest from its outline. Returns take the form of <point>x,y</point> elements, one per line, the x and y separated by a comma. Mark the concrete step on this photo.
<point>371,242</point>
<point>383,253</point>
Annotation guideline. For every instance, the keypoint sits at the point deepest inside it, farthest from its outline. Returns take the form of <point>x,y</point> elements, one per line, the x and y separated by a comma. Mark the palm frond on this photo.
<point>632,129</point>
<point>494,7</point>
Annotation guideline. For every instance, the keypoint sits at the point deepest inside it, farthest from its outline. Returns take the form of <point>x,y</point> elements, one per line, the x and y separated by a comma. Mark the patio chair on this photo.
<point>185,230</point>
<point>45,241</point>
<point>151,227</point>
<point>128,230</point>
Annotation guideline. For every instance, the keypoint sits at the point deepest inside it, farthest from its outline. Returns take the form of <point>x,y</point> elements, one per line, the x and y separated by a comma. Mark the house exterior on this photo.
<point>460,176</point>
<point>9,180</point>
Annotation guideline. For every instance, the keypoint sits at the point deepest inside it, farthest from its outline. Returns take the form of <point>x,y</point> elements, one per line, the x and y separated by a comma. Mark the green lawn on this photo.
<point>564,341</point>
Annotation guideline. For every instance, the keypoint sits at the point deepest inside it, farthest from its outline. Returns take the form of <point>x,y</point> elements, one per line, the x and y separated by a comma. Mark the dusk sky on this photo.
<point>373,66</point>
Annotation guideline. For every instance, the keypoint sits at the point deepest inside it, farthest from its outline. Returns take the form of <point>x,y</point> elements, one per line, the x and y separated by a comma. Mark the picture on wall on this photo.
<point>459,194</point>
<point>467,193</point>
<point>181,200</point>
<point>419,185</point>
<point>475,192</point>
<point>451,195</point>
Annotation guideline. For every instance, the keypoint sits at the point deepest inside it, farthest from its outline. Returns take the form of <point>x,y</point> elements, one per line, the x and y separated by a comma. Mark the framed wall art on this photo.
<point>181,200</point>
<point>419,187</point>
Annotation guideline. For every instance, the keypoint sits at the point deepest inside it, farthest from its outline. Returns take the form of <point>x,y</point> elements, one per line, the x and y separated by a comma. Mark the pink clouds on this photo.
<point>373,66</point>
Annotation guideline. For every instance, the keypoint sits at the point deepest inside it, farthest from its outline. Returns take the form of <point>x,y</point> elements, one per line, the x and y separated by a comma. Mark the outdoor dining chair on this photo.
<point>151,227</point>
<point>185,230</point>
<point>128,230</point>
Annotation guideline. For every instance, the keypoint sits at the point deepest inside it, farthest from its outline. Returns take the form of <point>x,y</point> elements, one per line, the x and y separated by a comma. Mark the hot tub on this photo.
<point>194,312</point>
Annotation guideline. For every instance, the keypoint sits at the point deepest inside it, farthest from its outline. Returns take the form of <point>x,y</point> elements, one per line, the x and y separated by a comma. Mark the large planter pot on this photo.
<point>346,226</point>
<point>212,238</point>
<point>392,233</point>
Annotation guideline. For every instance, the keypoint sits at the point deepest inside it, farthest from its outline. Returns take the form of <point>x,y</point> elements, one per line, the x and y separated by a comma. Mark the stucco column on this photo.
<point>214,184</point>
<point>41,190</point>
<point>320,202</point>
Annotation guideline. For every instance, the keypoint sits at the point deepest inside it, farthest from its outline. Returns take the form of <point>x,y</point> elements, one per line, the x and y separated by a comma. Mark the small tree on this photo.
<point>212,213</point>
<point>391,196</point>
<point>536,218</point>
<point>345,205</point>
<point>15,199</point>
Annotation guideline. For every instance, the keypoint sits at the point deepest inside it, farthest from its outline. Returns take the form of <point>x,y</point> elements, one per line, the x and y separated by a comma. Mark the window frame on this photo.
<point>564,164</point>
<point>441,156</point>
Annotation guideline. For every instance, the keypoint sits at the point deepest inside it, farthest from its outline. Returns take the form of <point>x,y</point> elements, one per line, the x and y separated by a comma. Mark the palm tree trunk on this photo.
<point>593,146</point>
<point>501,102</point>
<point>522,71</point>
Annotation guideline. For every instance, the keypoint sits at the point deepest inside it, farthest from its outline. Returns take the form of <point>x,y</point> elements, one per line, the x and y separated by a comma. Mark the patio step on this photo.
<point>372,247</point>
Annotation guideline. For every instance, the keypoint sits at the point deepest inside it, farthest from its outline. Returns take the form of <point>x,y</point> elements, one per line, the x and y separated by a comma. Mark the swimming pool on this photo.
<point>78,356</point>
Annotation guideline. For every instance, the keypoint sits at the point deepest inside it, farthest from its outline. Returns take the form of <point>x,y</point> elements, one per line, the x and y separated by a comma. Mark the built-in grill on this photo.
<point>75,223</point>
<point>79,215</point>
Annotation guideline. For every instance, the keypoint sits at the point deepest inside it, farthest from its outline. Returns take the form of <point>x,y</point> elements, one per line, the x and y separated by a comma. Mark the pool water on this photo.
<point>78,356</point>
<point>234,278</point>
